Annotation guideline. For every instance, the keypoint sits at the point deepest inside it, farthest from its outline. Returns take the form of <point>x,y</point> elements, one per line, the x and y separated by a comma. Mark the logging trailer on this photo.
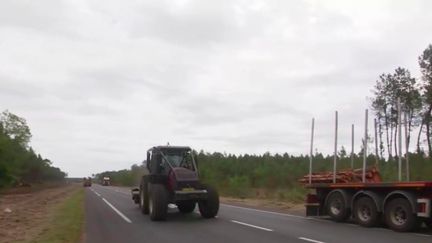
<point>362,196</point>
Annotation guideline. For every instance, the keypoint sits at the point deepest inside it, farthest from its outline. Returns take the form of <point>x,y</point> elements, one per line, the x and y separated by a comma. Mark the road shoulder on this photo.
<point>26,217</point>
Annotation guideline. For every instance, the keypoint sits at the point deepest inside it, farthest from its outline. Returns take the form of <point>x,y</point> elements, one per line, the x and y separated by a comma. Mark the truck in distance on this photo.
<point>173,178</point>
<point>87,181</point>
<point>106,181</point>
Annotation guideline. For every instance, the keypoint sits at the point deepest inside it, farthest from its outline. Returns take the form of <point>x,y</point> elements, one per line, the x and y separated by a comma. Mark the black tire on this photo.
<point>399,215</point>
<point>144,199</point>
<point>210,207</point>
<point>336,207</point>
<point>365,212</point>
<point>428,223</point>
<point>158,202</point>
<point>186,206</point>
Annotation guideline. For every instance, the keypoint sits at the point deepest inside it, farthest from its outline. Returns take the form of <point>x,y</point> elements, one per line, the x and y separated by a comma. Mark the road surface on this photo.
<point>111,216</point>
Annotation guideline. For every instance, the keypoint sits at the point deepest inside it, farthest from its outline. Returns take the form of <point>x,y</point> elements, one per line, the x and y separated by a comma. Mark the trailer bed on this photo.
<point>360,185</point>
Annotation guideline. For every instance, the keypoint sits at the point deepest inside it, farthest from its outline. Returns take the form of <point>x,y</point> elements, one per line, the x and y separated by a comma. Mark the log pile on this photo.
<point>344,176</point>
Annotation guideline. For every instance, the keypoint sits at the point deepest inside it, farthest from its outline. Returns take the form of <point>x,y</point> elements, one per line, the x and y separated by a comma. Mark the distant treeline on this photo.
<point>124,177</point>
<point>19,163</point>
<point>273,175</point>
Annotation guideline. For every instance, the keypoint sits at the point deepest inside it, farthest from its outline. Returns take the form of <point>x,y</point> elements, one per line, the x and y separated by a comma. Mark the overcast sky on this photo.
<point>99,82</point>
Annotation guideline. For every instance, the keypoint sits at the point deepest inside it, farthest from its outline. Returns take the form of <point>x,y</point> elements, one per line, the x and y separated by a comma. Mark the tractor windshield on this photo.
<point>180,158</point>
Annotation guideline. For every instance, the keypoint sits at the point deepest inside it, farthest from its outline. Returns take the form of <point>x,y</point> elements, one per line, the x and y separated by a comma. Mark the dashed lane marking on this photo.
<point>264,211</point>
<point>95,192</point>
<point>117,211</point>
<point>310,240</point>
<point>251,225</point>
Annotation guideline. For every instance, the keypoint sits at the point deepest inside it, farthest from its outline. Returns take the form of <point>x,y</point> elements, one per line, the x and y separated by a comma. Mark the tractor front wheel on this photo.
<point>209,207</point>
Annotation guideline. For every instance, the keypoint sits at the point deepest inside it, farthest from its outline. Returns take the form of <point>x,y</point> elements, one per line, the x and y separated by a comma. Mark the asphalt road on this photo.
<point>111,216</point>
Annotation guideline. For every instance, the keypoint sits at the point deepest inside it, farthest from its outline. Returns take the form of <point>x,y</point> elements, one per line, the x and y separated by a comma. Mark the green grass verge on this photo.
<point>67,221</point>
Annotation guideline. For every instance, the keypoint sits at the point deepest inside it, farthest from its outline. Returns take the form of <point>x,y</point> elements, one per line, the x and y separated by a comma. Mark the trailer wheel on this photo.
<point>428,223</point>
<point>337,208</point>
<point>186,206</point>
<point>365,212</point>
<point>210,207</point>
<point>144,199</point>
<point>399,215</point>
<point>158,202</point>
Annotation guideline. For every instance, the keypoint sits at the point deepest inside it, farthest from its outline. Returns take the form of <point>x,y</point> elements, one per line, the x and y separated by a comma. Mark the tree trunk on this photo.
<point>419,135</point>
<point>380,136</point>
<point>428,138</point>
<point>427,122</point>
<point>389,151</point>
<point>391,141</point>
<point>395,139</point>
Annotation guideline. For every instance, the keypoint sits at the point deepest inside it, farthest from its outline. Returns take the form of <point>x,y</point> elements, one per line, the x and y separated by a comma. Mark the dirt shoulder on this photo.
<point>266,204</point>
<point>26,214</point>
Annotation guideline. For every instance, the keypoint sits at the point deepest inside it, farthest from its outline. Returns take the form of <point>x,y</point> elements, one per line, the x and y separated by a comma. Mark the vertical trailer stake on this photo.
<point>352,146</point>
<point>376,143</point>
<point>335,147</point>
<point>365,147</point>
<point>407,149</point>
<point>399,140</point>
<point>311,152</point>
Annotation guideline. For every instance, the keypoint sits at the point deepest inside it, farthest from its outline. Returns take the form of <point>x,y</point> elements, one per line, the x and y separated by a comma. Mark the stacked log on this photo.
<point>344,176</point>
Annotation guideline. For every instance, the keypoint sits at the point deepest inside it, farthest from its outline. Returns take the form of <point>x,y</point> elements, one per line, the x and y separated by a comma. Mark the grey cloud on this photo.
<point>196,23</point>
<point>109,80</point>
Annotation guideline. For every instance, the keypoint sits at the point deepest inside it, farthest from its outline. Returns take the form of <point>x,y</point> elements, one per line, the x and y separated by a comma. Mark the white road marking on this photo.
<point>310,240</point>
<point>276,213</point>
<point>96,193</point>
<point>251,225</point>
<point>117,211</point>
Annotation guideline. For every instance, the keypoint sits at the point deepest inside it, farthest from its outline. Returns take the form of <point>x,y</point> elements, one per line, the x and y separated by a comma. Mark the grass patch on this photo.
<point>66,222</point>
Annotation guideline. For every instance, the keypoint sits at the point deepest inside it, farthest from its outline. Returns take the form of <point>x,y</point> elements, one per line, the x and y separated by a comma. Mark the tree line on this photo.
<point>273,176</point>
<point>415,95</point>
<point>19,163</point>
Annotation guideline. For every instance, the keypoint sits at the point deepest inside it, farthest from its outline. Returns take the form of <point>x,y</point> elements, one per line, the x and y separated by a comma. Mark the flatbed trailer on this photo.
<point>403,206</point>
<point>360,194</point>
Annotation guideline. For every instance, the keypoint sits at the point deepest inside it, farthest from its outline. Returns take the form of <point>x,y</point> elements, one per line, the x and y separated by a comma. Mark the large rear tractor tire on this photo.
<point>365,212</point>
<point>399,215</point>
<point>336,207</point>
<point>186,206</point>
<point>210,207</point>
<point>158,202</point>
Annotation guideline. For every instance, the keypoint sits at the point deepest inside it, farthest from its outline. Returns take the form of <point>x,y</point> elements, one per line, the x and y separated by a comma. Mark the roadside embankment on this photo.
<point>53,214</point>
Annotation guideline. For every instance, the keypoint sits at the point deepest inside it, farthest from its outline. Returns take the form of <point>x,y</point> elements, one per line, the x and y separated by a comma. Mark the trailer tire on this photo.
<point>144,199</point>
<point>399,215</point>
<point>186,206</point>
<point>158,202</point>
<point>428,223</point>
<point>337,207</point>
<point>365,212</point>
<point>209,207</point>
